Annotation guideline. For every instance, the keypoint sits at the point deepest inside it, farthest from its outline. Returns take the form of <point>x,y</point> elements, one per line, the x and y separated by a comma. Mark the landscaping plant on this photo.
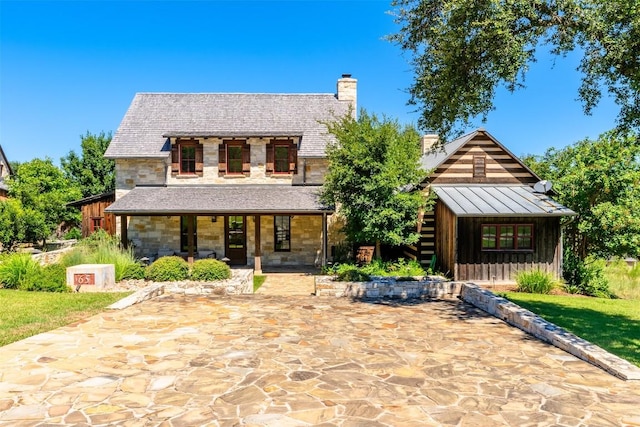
<point>536,282</point>
<point>207,270</point>
<point>168,268</point>
<point>15,270</point>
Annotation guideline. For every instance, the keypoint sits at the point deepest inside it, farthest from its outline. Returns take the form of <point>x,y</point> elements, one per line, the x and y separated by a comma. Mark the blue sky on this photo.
<point>68,67</point>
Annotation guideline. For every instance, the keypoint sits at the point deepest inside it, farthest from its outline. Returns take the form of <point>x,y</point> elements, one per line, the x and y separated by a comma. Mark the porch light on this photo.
<point>214,218</point>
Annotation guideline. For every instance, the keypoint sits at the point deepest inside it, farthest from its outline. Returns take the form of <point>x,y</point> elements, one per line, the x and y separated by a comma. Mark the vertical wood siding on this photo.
<point>475,264</point>
<point>96,209</point>
<point>499,165</point>
<point>445,239</point>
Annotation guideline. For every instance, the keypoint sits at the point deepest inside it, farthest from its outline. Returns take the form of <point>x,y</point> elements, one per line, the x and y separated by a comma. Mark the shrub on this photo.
<point>536,282</point>
<point>207,270</point>
<point>50,278</point>
<point>168,268</point>
<point>74,233</point>
<point>351,273</point>
<point>586,276</point>
<point>16,268</point>
<point>134,271</point>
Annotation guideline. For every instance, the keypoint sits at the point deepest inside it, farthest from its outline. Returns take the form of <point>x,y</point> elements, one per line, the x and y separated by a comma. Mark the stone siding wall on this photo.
<point>132,172</point>
<point>306,242</point>
<point>150,234</point>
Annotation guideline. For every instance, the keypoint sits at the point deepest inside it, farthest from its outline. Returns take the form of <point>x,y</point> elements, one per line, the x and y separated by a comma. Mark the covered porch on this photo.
<point>255,225</point>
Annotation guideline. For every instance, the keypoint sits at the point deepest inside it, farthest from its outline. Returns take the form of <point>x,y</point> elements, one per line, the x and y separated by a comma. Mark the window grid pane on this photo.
<point>507,237</point>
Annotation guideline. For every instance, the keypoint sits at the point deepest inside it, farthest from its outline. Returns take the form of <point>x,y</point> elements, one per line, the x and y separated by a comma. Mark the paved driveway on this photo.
<point>297,361</point>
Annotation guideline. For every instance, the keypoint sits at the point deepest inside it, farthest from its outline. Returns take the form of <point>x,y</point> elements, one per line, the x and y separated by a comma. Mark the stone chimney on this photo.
<point>347,90</point>
<point>428,142</point>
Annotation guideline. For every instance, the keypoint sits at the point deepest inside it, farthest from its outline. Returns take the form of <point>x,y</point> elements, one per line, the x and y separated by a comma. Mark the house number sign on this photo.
<point>84,279</point>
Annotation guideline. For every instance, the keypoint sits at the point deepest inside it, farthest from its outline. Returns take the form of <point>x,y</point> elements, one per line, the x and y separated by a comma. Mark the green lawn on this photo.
<point>613,324</point>
<point>258,281</point>
<point>24,314</point>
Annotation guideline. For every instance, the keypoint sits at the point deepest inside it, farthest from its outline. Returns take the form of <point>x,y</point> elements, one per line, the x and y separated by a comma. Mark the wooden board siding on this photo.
<point>475,264</point>
<point>500,166</point>
<point>445,239</point>
<point>95,210</point>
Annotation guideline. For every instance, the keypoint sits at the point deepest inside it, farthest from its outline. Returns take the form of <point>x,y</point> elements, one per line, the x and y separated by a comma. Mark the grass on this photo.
<point>624,281</point>
<point>25,313</point>
<point>258,281</point>
<point>613,324</point>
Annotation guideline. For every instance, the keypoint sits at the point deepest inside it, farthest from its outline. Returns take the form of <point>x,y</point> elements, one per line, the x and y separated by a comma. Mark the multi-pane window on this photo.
<point>186,157</point>
<point>234,158</point>
<point>282,231</point>
<point>97,223</point>
<point>507,237</point>
<point>282,157</point>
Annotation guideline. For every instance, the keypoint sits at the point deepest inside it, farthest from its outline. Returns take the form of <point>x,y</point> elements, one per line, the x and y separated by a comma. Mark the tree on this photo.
<point>462,51</point>
<point>43,192</point>
<point>12,224</point>
<point>91,172</point>
<point>373,179</point>
<point>599,180</point>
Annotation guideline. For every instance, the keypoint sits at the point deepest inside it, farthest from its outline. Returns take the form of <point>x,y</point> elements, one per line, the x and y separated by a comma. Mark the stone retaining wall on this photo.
<point>388,287</point>
<point>241,282</point>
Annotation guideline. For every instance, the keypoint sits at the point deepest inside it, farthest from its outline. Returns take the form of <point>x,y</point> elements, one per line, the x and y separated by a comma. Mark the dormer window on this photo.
<point>234,158</point>
<point>187,157</point>
<point>282,157</point>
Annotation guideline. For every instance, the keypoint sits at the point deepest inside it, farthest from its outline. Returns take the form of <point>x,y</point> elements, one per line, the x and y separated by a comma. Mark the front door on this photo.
<point>236,239</point>
<point>184,233</point>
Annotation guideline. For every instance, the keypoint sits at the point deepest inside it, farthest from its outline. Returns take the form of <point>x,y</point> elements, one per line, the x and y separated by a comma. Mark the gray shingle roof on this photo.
<point>152,117</point>
<point>219,199</point>
<point>498,200</point>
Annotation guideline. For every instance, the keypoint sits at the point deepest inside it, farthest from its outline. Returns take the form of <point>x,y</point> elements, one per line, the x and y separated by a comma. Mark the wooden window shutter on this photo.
<point>270,157</point>
<point>222,159</point>
<point>175,158</point>
<point>479,167</point>
<point>293,158</point>
<point>199,160</point>
<point>246,159</point>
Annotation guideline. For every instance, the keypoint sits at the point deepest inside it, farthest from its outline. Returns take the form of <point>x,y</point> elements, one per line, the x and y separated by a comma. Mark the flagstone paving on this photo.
<point>300,360</point>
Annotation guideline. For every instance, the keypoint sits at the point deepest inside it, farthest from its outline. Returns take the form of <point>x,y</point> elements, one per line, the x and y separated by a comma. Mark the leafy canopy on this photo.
<point>462,51</point>
<point>373,179</point>
<point>43,192</point>
<point>599,180</point>
<point>91,172</point>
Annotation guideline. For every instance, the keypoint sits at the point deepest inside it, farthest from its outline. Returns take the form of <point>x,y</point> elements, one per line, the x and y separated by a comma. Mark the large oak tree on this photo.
<point>463,51</point>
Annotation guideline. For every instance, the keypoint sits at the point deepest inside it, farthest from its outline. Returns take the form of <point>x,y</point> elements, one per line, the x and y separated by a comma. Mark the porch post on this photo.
<point>257,266</point>
<point>123,231</point>
<point>325,239</point>
<point>190,221</point>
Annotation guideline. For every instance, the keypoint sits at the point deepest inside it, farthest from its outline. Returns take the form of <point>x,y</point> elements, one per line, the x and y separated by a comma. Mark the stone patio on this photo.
<point>261,360</point>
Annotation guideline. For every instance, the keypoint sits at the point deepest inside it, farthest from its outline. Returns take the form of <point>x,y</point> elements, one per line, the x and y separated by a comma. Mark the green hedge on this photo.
<point>207,270</point>
<point>168,268</point>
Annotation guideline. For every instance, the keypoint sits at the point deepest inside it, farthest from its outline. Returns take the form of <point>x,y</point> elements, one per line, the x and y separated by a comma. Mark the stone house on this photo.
<point>227,175</point>
<point>493,215</point>
<point>5,172</point>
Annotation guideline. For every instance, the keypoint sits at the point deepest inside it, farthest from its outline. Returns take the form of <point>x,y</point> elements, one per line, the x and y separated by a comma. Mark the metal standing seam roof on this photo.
<point>220,199</point>
<point>152,117</point>
<point>498,200</point>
